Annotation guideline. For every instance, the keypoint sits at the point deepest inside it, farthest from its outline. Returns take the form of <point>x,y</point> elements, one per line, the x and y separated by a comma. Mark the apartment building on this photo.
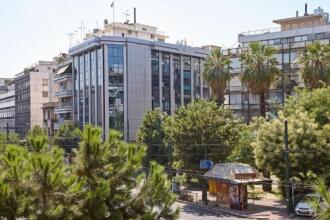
<point>116,79</point>
<point>290,40</point>
<point>7,105</point>
<point>33,87</point>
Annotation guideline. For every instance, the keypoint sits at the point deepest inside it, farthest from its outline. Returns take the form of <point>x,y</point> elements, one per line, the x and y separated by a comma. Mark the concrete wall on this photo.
<point>139,85</point>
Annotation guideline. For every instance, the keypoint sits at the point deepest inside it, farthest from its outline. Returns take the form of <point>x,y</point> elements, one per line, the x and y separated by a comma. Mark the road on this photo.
<point>193,212</point>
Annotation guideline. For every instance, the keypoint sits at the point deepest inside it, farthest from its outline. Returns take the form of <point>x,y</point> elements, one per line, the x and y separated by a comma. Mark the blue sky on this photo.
<point>33,30</point>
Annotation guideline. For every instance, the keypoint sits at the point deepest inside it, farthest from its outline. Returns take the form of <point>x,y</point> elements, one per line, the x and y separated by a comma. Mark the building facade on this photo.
<point>33,87</point>
<point>7,105</point>
<point>290,40</point>
<point>117,79</point>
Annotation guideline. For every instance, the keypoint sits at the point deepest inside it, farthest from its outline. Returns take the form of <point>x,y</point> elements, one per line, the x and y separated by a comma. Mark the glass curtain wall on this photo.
<point>81,91</point>
<point>99,85</point>
<point>76,87</point>
<point>177,80</point>
<point>116,87</point>
<point>197,77</point>
<point>155,79</point>
<point>186,80</point>
<point>87,85</point>
<point>166,86</point>
<point>93,86</point>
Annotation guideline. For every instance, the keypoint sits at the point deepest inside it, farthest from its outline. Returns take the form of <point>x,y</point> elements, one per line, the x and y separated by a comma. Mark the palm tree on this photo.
<point>217,74</point>
<point>321,205</point>
<point>260,71</point>
<point>316,65</point>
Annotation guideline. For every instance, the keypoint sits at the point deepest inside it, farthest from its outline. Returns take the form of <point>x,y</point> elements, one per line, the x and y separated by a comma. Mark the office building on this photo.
<point>7,105</point>
<point>116,79</point>
<point>290,40</point>
<point>33,87</point>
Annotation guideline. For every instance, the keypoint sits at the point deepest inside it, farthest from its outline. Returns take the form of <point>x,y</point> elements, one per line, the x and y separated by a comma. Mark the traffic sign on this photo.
<point>205,164</point>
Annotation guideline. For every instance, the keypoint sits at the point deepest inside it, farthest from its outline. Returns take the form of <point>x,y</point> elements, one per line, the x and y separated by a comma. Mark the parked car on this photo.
<point>304,208</point>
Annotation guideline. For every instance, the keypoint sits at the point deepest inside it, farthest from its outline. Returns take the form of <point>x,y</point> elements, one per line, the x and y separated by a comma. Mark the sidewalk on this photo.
<point>264,208</point>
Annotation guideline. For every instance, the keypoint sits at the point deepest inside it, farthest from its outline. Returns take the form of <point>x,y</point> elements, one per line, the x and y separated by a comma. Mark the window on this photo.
<point>304,38</point>
<point>44,94</point>
<point>271,42</point>
<point>297,39</point>
<point>152,36</point>
<point>129,32</point>
<point>122,34</point>
<point>264,42</point>
<point>44,82</point>
<point>290,39</point>
<point>319,36</point>
<point>284,40</point>
<point>144,29</point>
<point>277,41</point>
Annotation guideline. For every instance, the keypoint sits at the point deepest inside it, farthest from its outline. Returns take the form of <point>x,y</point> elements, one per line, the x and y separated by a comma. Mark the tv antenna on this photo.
<point>127,15</point>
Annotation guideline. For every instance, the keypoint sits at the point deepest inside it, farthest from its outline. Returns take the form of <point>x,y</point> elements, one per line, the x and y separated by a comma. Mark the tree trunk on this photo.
<point>262,104</point>
<point>267,186</point>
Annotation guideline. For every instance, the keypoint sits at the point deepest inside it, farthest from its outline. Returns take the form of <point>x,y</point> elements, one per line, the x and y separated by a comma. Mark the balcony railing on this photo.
<point>62,77</point>
<point>64,93</point>
<point>63,109</point>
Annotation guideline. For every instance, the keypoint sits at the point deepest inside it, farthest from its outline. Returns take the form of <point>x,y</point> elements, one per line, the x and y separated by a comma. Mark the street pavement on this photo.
<point>194,212</point>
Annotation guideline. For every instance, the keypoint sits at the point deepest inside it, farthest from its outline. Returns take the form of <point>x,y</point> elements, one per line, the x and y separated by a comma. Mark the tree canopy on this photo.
<point>105,181</point>
<point>260,71</point>
<point>202,130</point>
<point>315,63</point>
<point>217,73</point>
<point>151,133</point>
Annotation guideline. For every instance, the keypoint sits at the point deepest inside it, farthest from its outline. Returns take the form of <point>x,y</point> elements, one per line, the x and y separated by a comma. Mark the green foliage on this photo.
<point>105,181</point>
<point>151,133</point>
<point>316,103</point>
<point>307,143</point>
<point>67,136</point>
<point>243,151</point>
<point>200,126</point>
<point>316,65</point>
<point>322,205</point>
<point>217,73</point>
<point>260,71</point>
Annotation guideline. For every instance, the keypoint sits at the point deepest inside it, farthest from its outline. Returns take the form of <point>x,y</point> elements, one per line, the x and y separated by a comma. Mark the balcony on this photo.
<point>63,109</point>
<point>62,77</point>
<point>64,93</point>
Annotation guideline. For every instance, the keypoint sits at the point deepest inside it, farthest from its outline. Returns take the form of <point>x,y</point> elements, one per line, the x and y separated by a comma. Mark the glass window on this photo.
<point>319,36</point>
<point>284,40</point>
<point>186,80</point>
<point>87,87</point>
<point>44,94</point>
<point>99,85</point>
<point>286,58</point>
<point>155,79</point>
<point>271,42</point>
<point>177,80</point>
<point>264,42</point>
<point>297,39</point>
<point>304,38</point>
<point>197,77</point>
<point>116,87</point>
<point>166,100</point>
<point>93,86</point>
<point>81,90</point>
<point>277,41</point>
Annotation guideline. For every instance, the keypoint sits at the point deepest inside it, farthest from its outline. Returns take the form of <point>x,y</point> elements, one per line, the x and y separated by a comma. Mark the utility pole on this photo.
<point>7,129</point>
<point>287,167</point>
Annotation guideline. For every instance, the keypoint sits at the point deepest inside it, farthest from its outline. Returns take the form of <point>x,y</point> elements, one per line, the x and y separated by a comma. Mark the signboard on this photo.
<point>205,164</point>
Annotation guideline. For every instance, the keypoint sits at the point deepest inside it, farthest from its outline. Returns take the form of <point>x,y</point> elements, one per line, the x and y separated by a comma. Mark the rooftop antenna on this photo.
<point>126,13</point>
<point>113,17</point>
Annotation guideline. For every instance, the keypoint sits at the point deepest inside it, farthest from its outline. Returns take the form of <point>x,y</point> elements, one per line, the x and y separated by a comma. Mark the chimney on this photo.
<point>134,15</point>
<point>297,13</point>
<point>305,10</point>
